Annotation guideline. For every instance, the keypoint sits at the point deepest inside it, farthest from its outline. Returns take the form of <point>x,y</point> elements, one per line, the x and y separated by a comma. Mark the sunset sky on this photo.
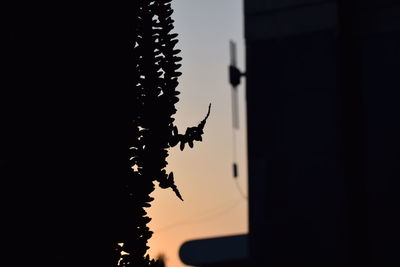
<point>213,204</point>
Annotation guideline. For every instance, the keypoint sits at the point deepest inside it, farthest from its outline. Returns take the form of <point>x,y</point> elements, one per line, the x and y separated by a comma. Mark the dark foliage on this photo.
<point>153,129</point>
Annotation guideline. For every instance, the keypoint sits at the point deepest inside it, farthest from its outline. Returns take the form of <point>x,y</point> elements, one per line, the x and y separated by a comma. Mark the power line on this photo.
<point>242,194</point>
<point>203,218</point>
<point>235,165</point>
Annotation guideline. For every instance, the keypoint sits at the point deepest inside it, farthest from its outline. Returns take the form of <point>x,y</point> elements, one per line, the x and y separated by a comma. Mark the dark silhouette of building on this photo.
<point>323,171</point>
<point>322,93</point>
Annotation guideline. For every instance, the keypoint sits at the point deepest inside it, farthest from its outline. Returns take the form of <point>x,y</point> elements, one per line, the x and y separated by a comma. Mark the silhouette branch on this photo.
<point>153,132</point>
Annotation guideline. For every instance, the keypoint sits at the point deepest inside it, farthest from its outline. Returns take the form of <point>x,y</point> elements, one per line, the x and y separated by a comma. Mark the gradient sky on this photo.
<point>213,205</point>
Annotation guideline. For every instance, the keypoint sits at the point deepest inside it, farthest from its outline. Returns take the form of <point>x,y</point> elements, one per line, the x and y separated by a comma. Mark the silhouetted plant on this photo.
<point>154,132</point>
<point>161,260</point>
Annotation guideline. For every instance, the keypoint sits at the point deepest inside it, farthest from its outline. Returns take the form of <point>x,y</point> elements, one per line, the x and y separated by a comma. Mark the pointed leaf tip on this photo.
<point>177,193</point>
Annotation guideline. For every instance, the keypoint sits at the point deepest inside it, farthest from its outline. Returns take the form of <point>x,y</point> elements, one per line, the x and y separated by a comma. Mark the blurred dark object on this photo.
<point>220,251</point>
<point>161,260</point>
<point>323,120</point>
<point>234,75</point>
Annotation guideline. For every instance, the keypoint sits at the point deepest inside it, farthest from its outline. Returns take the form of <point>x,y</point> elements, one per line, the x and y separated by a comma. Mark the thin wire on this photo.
<point>235,108</point>
<point>235,120</point>
<point>234,145</point>
<point>203,218</point>
<point>235,125</point>
<point>242,194</point>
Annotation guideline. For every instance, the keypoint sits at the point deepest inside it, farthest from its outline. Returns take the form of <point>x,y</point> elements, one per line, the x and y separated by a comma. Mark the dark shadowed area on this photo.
<point>65,114</point>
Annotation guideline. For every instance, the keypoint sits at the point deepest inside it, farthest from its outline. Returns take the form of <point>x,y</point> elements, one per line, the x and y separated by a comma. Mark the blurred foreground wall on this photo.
<point>304,187</point>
